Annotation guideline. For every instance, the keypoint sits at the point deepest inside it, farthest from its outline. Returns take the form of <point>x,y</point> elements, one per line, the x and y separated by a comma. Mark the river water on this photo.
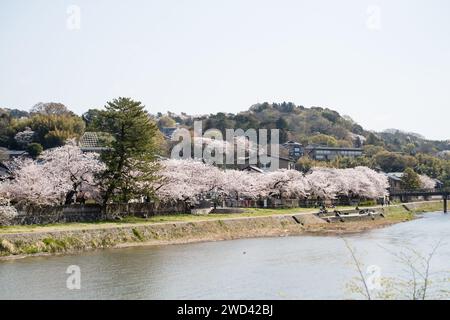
<point>303,267</point>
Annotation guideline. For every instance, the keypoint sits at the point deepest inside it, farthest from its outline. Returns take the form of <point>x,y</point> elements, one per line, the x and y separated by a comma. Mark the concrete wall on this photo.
<point>93,212</point>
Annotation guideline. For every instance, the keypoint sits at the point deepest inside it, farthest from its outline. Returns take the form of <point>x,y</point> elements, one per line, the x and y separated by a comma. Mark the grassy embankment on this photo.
<point>183,228</point>
<point>181,217</point>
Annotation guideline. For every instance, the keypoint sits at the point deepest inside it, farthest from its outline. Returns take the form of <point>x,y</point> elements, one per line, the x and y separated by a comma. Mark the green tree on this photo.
<point>410,149</point>
<point>372,139</point>
<point>92,119</point>
<point>166,121</point>
<point>304,164</point>
<point>130,159</point>
<point>394,162</point>
<point>410,180</point>
<point>52,130</point>
<point>5,122</point>
<point>324,139</point>
<point>371,150</point>
<point>34,149</point>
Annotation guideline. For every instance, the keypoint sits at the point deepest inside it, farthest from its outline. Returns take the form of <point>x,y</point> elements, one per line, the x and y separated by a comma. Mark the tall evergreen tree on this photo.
<point>130,159</point>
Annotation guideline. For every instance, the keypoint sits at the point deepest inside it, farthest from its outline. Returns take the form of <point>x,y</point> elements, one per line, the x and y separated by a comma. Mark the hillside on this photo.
<point>314,125</point>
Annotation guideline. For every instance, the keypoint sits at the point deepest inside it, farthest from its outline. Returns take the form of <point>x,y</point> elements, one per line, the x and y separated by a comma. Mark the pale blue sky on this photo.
<point>203,56</point>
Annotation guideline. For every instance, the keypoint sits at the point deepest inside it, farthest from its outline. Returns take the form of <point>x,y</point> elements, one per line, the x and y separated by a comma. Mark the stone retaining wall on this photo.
<point>92,212</point>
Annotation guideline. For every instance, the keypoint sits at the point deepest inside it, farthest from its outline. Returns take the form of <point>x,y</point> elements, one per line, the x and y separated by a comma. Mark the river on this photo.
<point>301,267</point>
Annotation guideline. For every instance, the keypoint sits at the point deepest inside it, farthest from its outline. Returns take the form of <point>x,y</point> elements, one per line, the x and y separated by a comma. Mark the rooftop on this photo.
<point>93,141</point>
<point>315,147</point>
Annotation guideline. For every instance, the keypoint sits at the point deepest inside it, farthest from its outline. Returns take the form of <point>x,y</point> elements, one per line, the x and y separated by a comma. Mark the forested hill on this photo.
<point>311,125</point>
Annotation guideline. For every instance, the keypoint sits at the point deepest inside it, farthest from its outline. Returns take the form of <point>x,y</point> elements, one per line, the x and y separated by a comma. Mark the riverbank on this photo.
<point>20,241</point>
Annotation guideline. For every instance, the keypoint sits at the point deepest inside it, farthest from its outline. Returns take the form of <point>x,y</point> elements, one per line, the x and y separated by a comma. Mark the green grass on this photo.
<point>137,234</point>
<point>399,212</point>
<point>185,217</point>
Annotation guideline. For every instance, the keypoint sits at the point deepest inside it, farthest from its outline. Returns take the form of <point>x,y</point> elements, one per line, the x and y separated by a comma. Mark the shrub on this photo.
<point>34,149</point>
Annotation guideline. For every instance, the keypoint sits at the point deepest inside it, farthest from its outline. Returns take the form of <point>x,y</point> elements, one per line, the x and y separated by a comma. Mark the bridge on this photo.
<point>422,193</point>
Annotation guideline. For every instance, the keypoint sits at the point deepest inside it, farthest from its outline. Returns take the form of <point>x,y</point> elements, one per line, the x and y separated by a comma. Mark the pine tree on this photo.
<point>130,158</point>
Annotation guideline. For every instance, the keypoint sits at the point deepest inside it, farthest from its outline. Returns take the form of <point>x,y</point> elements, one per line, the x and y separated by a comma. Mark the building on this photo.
<point>329,153</point>
<point>295,149</point>
<point>93,142</point>
<point>10,154</point>
<point>5,156</point>
<point>395,180</point>
<point>255,169</point>
<point>439,184</point>
<point>283,163</point>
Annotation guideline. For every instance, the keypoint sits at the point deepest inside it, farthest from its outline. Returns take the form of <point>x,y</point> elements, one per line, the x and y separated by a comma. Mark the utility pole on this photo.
<point>445,197</point>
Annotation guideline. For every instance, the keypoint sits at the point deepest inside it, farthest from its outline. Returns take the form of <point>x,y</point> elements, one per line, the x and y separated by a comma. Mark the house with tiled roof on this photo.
<point>94,141</point>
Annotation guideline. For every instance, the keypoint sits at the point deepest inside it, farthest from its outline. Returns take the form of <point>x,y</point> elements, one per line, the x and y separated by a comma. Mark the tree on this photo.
<point>33,184</point>
<point>324,139</point>
<point>24,138</point>
<point>394,162</point>
<point>186,180</point>
<point>372,139</point>
<point>52,130</point>
<point>304,164</point>
<point>34,149</point>
<point>371,150</point>
<point>284,184</point>
<point>166,121</point>
<point>130,159</point>
<point>5,128</point>
<point>410,149</point>
<point>410,180</point>
<point>54,179</point>
<point>328,183</point>
<point>426,182</point>
<point>93,119</point>
<point>78,170</point>
<point>50,108</point>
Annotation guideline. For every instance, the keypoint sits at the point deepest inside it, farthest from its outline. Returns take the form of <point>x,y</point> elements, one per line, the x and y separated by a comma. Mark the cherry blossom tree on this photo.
<point>69,163</point>
<point>363,182</point>
<point>53,179</point>
<point>186,180</point>
<point>284,184</point>
<point>426,182</point>
<point>34,184</point>
<point>370,184</point>
<point>323,183</point>
<point>245,184</point>
<point>61,173</point>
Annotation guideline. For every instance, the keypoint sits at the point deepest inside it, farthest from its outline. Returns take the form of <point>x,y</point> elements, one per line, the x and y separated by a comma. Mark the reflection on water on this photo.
<point>305,267</point>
